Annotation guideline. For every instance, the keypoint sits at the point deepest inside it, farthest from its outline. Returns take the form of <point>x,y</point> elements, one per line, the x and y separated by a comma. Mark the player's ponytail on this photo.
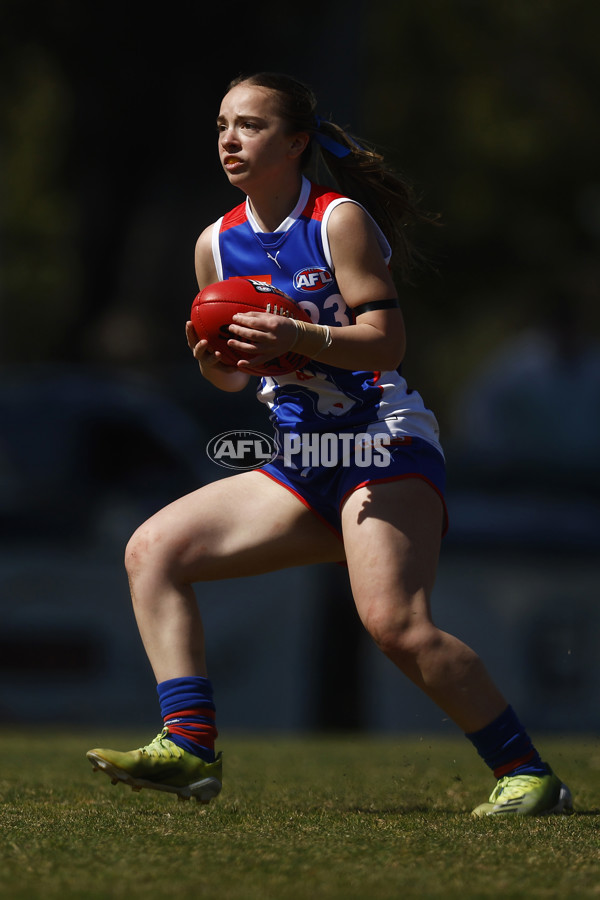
<point>361,173</point>
<point>358,170</point>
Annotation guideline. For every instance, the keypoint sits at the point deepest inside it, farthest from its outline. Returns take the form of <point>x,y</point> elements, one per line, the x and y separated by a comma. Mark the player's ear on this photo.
<point>298,144</point>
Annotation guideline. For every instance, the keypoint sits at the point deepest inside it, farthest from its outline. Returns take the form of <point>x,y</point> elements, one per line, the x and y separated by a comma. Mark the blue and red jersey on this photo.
<point>297,259</point>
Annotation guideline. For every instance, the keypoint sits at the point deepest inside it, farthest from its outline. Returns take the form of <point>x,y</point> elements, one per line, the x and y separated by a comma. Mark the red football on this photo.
<point>214,307</point>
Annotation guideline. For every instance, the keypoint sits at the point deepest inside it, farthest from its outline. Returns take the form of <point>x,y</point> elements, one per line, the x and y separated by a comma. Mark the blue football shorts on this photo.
<point>325,488</point>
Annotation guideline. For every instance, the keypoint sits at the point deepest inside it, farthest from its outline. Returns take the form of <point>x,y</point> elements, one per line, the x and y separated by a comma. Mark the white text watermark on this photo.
<point>330,449</point>
<point>249,449</point>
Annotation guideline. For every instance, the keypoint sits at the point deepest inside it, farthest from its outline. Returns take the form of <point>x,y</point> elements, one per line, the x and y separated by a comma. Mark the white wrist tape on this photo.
<point>311,339</point>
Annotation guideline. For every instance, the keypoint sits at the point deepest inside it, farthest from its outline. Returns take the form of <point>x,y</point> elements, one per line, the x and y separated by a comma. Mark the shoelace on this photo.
<point>157,746</point>
<point>511,786</point>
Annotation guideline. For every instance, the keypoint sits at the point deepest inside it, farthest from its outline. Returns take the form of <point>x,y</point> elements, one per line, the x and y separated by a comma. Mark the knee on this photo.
<point>149,550</point>
<point>137,551</point>
<point>402,637</point>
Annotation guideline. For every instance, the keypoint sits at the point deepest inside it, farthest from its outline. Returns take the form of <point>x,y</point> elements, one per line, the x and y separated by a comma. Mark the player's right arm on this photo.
<point>224,377</point>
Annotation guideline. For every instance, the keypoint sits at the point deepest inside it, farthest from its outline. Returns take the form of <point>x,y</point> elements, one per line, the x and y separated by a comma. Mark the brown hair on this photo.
<point>360,173</point>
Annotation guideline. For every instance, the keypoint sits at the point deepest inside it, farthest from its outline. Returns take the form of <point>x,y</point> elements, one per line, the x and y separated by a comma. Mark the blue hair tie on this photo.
<point>328,143</point>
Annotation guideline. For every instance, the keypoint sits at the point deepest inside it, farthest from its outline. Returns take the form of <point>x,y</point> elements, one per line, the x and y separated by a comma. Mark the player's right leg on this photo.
<point>239,526</point>
<point>236,527</point>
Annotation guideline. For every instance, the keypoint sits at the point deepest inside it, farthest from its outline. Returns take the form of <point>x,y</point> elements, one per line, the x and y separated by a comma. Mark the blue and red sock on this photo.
<point>188,713</point>
<point>506,748</point>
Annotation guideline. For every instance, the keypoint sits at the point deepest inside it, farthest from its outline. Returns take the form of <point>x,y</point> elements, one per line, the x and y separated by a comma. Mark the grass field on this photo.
<point>318,818</point>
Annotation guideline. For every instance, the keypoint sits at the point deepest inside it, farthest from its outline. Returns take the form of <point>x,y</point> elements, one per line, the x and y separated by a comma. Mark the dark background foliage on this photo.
<point>109,169</point>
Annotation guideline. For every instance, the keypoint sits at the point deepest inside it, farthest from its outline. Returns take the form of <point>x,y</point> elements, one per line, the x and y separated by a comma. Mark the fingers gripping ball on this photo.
<point>215,306</point>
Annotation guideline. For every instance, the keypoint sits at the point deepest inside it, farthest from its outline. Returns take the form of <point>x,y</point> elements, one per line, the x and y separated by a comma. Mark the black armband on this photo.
<point>392,303</point>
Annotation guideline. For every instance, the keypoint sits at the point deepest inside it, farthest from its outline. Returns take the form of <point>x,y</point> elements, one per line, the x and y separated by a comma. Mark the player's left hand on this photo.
<point>263,335</point>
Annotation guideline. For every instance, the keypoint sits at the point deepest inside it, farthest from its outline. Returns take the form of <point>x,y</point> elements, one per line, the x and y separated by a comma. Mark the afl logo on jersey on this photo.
<point>314,278</point>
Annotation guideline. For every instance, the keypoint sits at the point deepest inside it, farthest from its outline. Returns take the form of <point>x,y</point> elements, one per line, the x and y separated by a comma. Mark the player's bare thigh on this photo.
<point>243,525</point>
<point>392,534</point>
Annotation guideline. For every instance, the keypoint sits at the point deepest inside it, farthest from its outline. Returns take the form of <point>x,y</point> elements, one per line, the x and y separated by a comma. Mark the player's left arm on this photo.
<point>375,342</point>
<point>378,339</point>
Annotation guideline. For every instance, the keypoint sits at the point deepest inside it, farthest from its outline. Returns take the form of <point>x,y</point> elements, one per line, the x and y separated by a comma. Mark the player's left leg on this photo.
<point>392,536</point>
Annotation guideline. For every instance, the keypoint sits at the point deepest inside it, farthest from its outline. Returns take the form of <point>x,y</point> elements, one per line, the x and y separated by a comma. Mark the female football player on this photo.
<point>384,521</point>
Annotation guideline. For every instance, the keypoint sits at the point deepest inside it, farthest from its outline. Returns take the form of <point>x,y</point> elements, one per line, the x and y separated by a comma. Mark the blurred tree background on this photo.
<point>494,108</point>
<point>108,166</point>
<point>109,171</point>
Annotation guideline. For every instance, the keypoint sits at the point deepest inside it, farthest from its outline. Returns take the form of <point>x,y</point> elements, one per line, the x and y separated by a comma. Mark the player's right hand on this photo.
<point>202,351</point>
<point>211,365</point>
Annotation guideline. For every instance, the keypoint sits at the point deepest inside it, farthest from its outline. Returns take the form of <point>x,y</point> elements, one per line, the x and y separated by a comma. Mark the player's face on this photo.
<point>255,146</point>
